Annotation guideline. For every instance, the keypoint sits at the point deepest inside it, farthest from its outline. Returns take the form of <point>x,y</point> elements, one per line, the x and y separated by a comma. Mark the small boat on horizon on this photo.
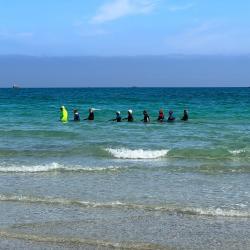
<point>15,86</point>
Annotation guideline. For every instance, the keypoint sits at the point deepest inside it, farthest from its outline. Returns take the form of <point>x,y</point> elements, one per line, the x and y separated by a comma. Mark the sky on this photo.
<point>57,43</point>
<point>124,27</point>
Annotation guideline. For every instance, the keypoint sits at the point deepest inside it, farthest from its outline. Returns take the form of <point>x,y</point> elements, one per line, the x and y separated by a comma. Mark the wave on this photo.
<point>124,153</point>
<point>55,167</point>
<point>187,153</point>
<point>213,169</point>
<point>237,152</point>
<point>80,241</point>
<point>59,168</point>
<point>98,151</point>
<point>39,133</point>
<point>208,153</point>
<point>122,205</point>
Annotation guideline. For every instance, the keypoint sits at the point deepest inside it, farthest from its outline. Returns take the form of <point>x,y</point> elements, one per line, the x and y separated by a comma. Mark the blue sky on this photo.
<point>124,27</point>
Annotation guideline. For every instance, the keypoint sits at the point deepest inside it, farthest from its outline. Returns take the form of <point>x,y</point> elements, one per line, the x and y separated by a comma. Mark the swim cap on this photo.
<point>170,112</point>
<point>130,111</point>
<point>118,112</point>
<point>62,107</point>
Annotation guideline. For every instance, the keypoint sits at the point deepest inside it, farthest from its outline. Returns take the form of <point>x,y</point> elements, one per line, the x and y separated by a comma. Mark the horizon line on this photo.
<point>127,56</point>
<point>121,87</point>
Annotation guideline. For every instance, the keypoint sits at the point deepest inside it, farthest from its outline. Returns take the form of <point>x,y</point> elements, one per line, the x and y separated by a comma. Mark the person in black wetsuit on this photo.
<point>160,116</point>
<point>130,117</point>
<point>146,117</point>
<point>76,116</point>
<point>171,117</point>
<point>91,116</point>
<point>185,115</point>
<point>118,117</point>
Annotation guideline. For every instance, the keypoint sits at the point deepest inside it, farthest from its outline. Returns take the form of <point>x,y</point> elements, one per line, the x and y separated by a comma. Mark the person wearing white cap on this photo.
<point>130,117</point>
<point>91,116</point>
<point>118,116</point>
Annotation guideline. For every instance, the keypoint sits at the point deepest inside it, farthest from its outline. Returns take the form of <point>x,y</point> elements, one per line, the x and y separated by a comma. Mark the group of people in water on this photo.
<point>118,118</point>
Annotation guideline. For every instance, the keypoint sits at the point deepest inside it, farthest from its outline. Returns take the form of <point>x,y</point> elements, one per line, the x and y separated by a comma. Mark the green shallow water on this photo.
<point>184,179</point>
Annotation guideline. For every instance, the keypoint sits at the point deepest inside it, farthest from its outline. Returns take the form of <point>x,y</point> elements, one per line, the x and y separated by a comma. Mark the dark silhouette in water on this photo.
<point>185,115</point>
<point>76,116</point>
<point>91,116</point>
<point>171,117</point>
<point>118,117</point>
<point>146,117</point>
<point>130,117</point>
<point>161,116</point>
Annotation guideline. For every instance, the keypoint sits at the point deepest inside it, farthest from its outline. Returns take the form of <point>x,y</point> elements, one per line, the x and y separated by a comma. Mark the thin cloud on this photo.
<point>15,35</point>
<point>93,33</point>
<point>200,38</point>
<point>207,38</point>
<point>116,9</point>
<point>85,30</point>
<point>174,8</point>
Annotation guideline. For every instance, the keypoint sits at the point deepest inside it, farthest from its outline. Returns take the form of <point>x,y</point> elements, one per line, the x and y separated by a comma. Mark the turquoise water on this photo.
<point>104,184</point>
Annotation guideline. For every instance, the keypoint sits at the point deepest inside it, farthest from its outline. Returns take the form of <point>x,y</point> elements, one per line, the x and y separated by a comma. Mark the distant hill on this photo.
<point>172,70</point>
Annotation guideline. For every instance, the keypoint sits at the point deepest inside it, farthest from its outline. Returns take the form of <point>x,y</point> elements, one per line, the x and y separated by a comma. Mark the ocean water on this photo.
<point>107,185</point>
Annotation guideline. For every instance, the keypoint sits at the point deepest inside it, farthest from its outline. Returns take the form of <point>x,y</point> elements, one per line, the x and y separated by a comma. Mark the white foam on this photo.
<point>54,167</point>
<point>221,212</point>
<point>60,201</point>
<point>237,152</point>
<point>125,153</point>
<point>120,205</point>
<point>31,169</point>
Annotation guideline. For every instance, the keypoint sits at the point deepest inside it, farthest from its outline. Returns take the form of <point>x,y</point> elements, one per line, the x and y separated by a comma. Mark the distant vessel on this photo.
<point>15,86</point>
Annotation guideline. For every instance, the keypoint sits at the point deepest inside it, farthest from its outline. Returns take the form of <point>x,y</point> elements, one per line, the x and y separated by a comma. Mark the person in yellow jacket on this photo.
<point>64,114</point>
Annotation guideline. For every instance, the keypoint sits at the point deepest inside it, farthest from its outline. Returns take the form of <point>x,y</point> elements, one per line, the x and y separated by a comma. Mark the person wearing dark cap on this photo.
<point>185,115</point>
<point>146,117</point>
<point>171,117</point>
<point>76,116</point>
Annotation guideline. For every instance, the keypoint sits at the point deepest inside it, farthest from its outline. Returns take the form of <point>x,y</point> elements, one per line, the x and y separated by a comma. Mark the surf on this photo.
<point>165,208</point>
<point>56,167</point>
<point>124,153</point>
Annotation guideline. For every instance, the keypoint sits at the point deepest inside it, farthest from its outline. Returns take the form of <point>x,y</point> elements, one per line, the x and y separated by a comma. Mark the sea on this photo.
<point>107,185</point>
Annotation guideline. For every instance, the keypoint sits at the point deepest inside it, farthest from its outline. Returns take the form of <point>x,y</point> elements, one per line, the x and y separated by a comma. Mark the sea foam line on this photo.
<point>237,152</point>
<point>71,240</point>
<point>55,167</point>
<point>124,153</point>
<point>122,205</point>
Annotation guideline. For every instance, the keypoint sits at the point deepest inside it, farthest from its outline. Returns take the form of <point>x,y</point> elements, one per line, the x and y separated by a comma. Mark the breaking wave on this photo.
<point>125,153</point>
<point>55,167</point>
<point>237,152</point>
<point>190,153</point>
<point>59,168</point>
